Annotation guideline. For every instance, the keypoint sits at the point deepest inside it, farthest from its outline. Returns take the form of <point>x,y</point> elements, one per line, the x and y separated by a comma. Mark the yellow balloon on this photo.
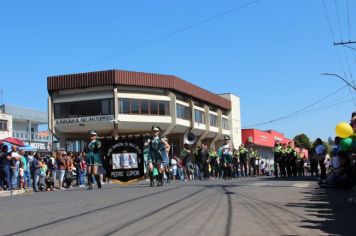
<point>343,130</point>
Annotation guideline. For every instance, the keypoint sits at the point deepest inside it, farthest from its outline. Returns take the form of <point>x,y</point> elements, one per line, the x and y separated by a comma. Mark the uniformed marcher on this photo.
<point>93,159</point>
<point>235,163</point>
<point>243,152</point>
<point>155,159</point>
<point>226,157</point>
<point>252,162</point>
<point>291,162</point>
<point>283,160</point>
<point>277,153</point>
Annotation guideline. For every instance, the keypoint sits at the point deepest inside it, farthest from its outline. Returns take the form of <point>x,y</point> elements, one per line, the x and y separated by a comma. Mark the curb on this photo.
<point>14,192</point>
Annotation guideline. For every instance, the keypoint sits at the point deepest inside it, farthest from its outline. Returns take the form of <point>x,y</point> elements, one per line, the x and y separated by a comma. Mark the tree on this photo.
<point>302,141</point>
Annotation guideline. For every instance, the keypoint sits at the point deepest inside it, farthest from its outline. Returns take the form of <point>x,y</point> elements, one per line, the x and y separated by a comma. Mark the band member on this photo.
<point>186,162</point>
<point>156,144</point>
<point>93,159</point>
<point>277,152</point>
<point>252,162</point>
<point>226,152</point>
<point>243,159</point>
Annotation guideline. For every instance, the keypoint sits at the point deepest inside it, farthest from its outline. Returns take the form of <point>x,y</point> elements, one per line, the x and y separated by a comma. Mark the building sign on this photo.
<point>124,158</point>
<point>84,119</point>
<point>38,145</point>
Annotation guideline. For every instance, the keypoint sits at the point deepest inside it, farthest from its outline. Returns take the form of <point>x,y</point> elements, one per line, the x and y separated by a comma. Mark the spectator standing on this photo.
<point>5,159</point>
<point>21,176</point>
<point>36,170</point>
<point>14,165</point>
<point>79,169</point>
<point>52,171</point>
<point>320,152</point>
<point>61,163</point>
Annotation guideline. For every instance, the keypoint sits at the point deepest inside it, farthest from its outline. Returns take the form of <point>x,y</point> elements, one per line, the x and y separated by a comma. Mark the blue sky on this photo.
<point>270,53</point>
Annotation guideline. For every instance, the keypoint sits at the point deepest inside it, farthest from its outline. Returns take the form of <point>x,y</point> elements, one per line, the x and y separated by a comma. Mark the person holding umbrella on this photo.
<point>93,159</point>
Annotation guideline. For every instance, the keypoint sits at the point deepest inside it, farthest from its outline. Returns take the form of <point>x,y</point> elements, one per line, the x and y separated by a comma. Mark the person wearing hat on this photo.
<point>155,145</point>
<point>93,159</point>
<point>226,157</point>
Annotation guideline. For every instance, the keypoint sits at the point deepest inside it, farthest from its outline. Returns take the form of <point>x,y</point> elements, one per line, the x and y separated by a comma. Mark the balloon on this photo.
<point>345,144</point>
<point>343,130</point>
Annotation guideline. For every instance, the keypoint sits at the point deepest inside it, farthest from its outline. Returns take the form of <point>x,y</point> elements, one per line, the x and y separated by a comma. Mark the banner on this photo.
<point>124,158</point>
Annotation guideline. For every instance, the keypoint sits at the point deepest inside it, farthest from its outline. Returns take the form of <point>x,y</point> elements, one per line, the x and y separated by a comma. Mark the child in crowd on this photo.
<point>174,168</point>
<point>21,176</point>
<point>43,174</point>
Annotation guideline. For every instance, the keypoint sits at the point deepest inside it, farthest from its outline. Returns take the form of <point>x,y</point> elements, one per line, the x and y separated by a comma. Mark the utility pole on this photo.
<point>347,82</point>
<point>344,43</point>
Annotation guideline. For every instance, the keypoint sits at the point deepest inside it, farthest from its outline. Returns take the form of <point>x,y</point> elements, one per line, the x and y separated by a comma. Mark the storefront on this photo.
<point>263,141</point>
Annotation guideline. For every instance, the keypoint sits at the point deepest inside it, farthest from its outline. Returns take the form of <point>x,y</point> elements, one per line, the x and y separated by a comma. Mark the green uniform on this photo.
<point>154,151</point>
<point>93,153</point>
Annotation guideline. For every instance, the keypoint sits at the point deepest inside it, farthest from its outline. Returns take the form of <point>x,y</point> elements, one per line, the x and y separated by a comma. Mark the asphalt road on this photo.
<point>244,206</point>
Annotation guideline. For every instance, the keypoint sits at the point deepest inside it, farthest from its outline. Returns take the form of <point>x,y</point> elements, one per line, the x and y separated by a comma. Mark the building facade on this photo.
<point>24,124</point>
<point>120,102</point>
<point>263,141</point>
<point>5,125</point>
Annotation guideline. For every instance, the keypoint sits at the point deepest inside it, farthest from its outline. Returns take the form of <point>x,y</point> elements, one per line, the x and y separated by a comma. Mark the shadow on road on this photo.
<point>334,215</point>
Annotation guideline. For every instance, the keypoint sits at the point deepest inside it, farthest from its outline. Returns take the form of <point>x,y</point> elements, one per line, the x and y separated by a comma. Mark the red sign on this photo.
<point>263,138</point>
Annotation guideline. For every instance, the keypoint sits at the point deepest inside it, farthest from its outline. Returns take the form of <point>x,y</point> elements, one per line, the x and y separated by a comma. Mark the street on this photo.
<point>243,206</point>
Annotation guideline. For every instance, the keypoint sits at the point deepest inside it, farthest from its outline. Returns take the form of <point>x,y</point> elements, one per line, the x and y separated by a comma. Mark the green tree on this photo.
<point>302,141</point>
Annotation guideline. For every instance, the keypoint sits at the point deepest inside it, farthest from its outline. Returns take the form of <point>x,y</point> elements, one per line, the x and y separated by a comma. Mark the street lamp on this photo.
<point>348,83</point>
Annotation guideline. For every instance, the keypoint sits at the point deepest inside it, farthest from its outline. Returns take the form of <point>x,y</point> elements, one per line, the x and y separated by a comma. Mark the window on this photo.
<point>154,107</point>
<point>182,112</point>
<point>144,107</point>
<point>225,123</point>
<point>212,120</point>
<point>199,116</point>
<point>124,105</point>
<point>163,108</point>
<point>83,108</point>
<point>107,107</point>
<point>135,106</point>
<point>3,125</point>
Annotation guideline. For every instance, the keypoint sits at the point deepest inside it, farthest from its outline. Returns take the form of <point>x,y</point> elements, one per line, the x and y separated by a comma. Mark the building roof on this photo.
<point>25,114</point>
<point>130,78</point>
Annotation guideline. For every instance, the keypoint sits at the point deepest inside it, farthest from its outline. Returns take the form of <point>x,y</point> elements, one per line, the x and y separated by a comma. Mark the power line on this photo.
<point>349,47</point>
<point>348,19</point>
<point>168,35</point>
<point>338,19</point>
<point>297,111</point>
<point>326,106</point>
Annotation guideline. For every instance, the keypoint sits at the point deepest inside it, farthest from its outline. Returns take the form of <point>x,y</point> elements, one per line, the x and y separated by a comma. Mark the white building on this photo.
<point>23,123</point>
<point>120,102</point>
<point>5,125</point>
